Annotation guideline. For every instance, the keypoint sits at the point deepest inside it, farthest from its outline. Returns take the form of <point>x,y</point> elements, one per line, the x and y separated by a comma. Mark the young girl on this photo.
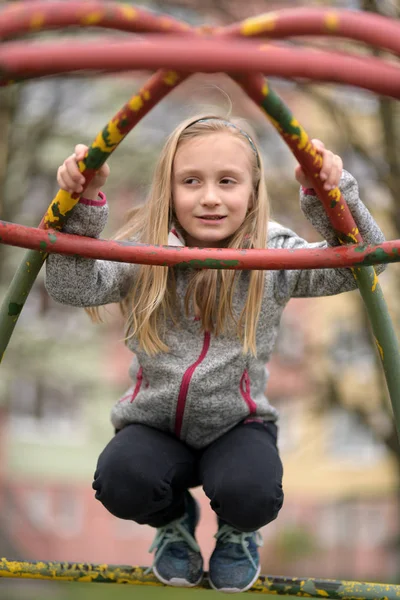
<point>196,413</point>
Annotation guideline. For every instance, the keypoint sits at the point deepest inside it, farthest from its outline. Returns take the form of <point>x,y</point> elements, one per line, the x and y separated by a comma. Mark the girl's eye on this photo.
<point>191,180</point>
<point>227,181</point>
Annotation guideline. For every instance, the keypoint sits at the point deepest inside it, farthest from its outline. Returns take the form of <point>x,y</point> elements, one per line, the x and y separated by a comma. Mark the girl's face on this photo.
<point>212,187</point>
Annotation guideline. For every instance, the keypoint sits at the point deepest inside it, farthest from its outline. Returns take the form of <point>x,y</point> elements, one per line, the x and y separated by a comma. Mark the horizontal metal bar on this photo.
<point>267,584</point>
<point>51,241</point>
<point>19,60</point>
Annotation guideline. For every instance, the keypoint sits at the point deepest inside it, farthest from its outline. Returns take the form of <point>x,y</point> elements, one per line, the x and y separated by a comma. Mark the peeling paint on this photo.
<point>171,78</point>
<point>37,21</point>
<point>133,575</point>
<point>256,25</point>
<point>92,18</point>
<point>135,103</point>
<point>213,263</point>
<point>380,349</point>
<point>128,12</point>
<point>332,21</point>
<point>14,309</point>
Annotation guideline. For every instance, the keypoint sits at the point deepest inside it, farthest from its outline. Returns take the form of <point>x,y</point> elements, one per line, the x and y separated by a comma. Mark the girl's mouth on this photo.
<point>212,217</point>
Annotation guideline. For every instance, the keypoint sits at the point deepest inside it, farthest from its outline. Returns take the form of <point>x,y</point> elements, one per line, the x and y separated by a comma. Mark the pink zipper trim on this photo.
<point>180,407</point>
<point>139,379</point>
<point>132,396</point>
<point>246,393</point>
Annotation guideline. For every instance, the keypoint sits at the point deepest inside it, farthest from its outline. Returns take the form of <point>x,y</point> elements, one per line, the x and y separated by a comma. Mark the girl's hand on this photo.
<point>331,170</point>
<point>69,177</point>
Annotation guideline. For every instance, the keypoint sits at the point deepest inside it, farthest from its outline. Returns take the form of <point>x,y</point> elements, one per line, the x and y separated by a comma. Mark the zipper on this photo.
<point>139,379</point>
<point>132,396</point>
<point>180,407</point>
<point>246,392</point>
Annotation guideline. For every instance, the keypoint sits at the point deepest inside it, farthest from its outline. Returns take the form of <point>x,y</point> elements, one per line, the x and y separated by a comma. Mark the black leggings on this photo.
<point>143,473</point>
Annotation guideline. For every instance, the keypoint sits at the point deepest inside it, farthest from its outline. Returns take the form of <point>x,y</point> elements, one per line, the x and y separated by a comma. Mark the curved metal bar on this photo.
<point>342,221</point>
<point>375,30</point>
<point>210,55</point>
<point>51,241</point>
<point>30,17</point>
<point>265,584</point>
<point>107,140</point>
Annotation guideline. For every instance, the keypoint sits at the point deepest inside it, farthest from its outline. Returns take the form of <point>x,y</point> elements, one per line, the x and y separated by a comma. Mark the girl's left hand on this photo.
<point>331,170</point>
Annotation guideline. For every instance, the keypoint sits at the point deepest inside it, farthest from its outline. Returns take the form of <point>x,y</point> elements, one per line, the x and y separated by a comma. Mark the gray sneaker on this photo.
<point>178,560</point>
<point>235,562</point>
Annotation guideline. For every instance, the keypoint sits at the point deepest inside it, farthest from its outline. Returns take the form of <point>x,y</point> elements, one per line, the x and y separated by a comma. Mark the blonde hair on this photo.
<point>210,293</point>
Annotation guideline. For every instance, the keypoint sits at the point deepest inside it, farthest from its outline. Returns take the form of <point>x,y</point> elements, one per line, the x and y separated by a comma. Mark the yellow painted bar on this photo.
<point>265,584</point>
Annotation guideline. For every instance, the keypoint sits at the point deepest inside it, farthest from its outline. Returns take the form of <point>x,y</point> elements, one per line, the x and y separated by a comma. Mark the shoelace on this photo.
<point>227,534</point>
<point>173,532</point>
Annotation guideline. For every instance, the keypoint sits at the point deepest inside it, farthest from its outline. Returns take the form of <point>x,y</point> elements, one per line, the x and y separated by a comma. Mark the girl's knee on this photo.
<point>248,508</point>
<point>128,493</point>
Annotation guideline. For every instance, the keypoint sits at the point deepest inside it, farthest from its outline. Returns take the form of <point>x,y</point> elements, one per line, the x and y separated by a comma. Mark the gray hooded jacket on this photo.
<point>204,385</point>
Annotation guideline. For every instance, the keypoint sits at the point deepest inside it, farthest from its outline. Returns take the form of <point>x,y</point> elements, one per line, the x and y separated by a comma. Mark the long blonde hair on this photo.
<point>210,292</point>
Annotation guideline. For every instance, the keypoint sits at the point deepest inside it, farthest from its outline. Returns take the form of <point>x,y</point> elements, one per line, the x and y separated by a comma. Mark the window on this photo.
<point>68,513</point>
<point>290,341</point>
<point>42,413</point>
<point>354,523</point>
<point>288,424</point>
<point>351,441</point>
<point>352,347</point>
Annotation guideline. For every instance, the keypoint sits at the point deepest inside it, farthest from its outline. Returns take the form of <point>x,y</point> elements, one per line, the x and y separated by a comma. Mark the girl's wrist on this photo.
<point>91,193</point>
<point>308,191</point>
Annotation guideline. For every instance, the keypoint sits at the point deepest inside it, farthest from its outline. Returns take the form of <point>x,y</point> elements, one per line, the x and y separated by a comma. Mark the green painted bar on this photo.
<point>370,289</point>
<point>17,293</point>
<point>158,86</point>
<point>265,584</point>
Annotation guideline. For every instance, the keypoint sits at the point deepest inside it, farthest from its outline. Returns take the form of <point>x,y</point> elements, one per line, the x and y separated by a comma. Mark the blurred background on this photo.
<point>61,374</point>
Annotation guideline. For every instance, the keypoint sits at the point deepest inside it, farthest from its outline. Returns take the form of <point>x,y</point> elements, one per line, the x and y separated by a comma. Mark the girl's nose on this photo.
<point>210,197</point>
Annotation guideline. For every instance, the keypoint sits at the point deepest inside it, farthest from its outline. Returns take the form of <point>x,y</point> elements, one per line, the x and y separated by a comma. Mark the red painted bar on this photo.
<point>54,241</point>
<point>337,210</point>
<point>375,30</point>
<point>29,17</point>
<point>208,55</point>
<point>154,90</point>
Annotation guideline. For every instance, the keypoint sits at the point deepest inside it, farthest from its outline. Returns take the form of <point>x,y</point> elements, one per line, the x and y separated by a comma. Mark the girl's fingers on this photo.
<point>335,173</point>
<point>80,151</point>
<point>327,164</point>
<point>69,180</point>
<point>73,169</point>
<point>69,184</point>
<point>320,146</point>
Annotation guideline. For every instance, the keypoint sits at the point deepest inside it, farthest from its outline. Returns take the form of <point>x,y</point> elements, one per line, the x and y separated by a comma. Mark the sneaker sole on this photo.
<point>236,590</point>
<point>176,581</point>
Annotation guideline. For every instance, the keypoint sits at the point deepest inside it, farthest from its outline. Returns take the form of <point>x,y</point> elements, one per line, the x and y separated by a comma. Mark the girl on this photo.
<point>196,412</point>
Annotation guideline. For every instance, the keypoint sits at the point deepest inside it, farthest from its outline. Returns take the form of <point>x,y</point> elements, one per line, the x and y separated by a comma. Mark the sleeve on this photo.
<point>87,282</point>
<point>324,282</point>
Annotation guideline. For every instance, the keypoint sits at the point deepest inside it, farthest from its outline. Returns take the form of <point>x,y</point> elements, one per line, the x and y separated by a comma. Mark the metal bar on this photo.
<point>211,258</point>
<point>30,17</point>
<point>342,221</point>
<point>375,30</point>
<point>206,54</point>
<point>158,86</point>
<point>265,584</point>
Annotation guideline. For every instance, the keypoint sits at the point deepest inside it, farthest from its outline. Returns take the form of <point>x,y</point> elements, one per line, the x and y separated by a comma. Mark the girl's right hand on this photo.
<point>69,177</point>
